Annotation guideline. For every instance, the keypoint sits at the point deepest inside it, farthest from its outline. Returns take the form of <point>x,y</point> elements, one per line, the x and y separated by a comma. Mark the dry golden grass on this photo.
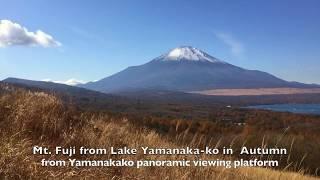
<point>258,91</point>
<point>29,119</point>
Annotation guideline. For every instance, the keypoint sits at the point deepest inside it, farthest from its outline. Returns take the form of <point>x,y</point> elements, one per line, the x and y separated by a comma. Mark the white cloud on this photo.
<point>237,48</point>
<point>70,82</point>
<point>14,34</point>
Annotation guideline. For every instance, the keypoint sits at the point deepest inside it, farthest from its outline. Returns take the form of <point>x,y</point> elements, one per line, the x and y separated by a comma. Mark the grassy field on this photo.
<point>36,118</point>
<point>258,91</point>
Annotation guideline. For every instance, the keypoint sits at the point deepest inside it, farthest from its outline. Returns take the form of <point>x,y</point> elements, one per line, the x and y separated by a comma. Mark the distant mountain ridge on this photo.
<point>188,69</point>
<point>47,85</point>
<point>81,96</point>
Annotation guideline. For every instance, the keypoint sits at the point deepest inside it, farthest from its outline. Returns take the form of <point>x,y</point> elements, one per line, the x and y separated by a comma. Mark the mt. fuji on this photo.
<point>188,69</point>
<point>187,53</point>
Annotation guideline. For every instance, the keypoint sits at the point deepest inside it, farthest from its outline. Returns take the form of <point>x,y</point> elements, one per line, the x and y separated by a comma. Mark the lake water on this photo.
<point>294,108</point>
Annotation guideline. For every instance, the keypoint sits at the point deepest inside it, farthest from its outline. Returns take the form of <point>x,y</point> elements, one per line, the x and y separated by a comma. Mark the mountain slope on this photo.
<point>83,97</point>
<point>187,69</point>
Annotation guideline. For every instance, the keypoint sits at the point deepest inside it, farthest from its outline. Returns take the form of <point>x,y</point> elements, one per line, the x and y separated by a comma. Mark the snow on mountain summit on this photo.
<point>188,53</point>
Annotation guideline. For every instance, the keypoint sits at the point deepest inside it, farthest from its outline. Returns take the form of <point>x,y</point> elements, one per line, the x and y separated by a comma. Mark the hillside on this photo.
<point>80,96</point>
<point>49,122</point>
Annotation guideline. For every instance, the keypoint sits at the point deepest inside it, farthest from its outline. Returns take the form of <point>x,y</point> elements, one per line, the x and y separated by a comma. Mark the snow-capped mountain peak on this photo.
<point>188,53</point>
<point>186,69</point>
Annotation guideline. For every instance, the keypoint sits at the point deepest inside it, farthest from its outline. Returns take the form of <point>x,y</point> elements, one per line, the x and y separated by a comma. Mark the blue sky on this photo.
<point>89,40</point>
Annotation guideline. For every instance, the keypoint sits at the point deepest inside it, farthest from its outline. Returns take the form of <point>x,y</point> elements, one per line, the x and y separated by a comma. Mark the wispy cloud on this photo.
<point>83,33</point>
<point>12,34</point>
<point>87,34</point>
<point>236,47</point>
<point>70,82</point>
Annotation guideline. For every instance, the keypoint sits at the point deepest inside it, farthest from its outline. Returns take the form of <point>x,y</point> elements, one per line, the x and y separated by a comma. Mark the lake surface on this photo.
<point>294,108</point>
